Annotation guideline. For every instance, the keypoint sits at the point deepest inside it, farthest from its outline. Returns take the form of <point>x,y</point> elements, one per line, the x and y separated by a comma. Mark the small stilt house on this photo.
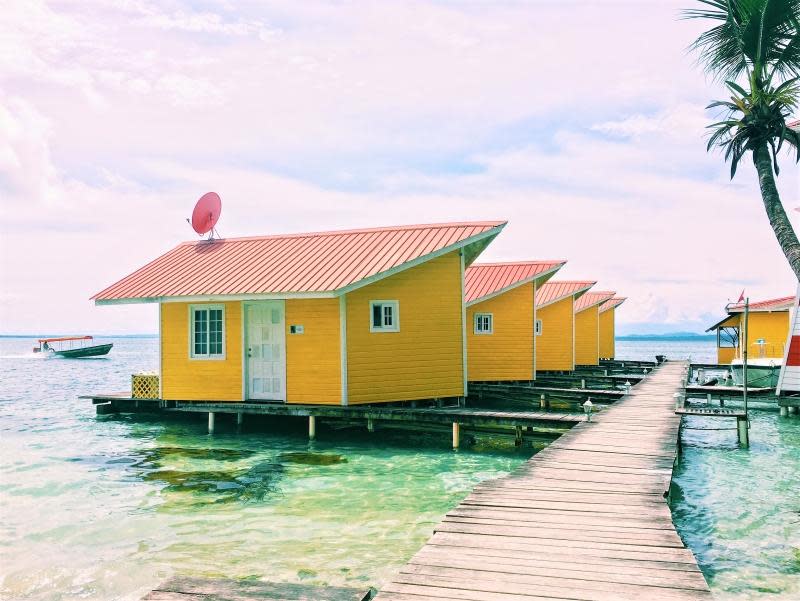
<point>555,313</point>
<point>587,327</point>
<point>608,331</point>
<point>344,317</point>
<point>501,318</point>
<point>768,330</point>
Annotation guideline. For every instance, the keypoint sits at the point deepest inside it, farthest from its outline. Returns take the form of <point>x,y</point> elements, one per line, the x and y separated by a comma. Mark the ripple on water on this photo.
<point>118,503</point>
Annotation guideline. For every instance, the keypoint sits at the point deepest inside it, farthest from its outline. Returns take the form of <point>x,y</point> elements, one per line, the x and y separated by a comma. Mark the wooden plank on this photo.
<point>584,519</point>
<point>226,589</point>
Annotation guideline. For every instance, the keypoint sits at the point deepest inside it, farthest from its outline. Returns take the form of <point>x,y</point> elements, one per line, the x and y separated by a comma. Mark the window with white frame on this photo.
<point>484,323</point>
<point>208,332</point>
<point>384,316</point>
<point>538,327</point>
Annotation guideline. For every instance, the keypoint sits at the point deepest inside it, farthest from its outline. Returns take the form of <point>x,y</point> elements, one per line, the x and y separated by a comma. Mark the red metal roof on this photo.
<point>483,280</point>
<point>551,292</point>
<point>612,303</point>
<point>783,303</point>
<point>590,299</point>
<point>322,262</point>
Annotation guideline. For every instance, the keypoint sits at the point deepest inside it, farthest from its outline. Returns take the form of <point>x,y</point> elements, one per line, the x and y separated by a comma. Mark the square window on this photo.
<point>484,323</point>
<point>384,316</point>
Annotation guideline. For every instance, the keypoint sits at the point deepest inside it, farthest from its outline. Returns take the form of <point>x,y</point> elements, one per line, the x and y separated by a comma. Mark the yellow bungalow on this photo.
<point>768,330</point>
<point>339,318</point>
<point>587,327</point>
<point>608,326</point>
<point>555,312</point>
<point>501,318</point>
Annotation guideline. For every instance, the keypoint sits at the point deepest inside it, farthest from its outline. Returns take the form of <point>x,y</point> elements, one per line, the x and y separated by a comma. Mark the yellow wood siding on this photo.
<point>554,347</point>
<point>586,337</point>
<point>422,360</point>
<point>313,367</point>
<point>607,334</point>
<point>507,353</point>
<point>183,378</point>
<point>772,327</point>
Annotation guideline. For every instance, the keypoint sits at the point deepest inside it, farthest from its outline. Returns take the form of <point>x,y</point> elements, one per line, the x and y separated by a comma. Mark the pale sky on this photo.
<point>580,122</point>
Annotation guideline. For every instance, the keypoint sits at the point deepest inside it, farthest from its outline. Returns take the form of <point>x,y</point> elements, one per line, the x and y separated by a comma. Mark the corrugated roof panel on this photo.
<point>590,299</point>
<point>551,292</point>
<point>294,263</point>
<point>484,279</point>
<point>783,303</point>
<point>612,303</point>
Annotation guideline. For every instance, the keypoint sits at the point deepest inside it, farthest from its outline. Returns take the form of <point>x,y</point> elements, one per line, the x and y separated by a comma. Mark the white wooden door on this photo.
<point>266,351</point>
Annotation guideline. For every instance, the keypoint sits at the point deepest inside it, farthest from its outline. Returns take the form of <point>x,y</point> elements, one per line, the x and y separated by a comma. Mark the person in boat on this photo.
<point>45,347</point>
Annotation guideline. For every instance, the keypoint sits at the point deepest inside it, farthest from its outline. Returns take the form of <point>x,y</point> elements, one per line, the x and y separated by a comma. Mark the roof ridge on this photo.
<point>388,228</point>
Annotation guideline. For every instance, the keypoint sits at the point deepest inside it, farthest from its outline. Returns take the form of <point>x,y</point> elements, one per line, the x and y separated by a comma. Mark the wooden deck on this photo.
<point>219,589</point>
<point>585,519</point>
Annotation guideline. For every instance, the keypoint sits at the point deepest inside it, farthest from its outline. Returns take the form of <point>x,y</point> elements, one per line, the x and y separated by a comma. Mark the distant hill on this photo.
<point>669,336</point>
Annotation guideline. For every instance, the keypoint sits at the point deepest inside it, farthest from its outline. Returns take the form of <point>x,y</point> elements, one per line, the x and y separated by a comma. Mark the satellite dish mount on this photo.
<point>206,214</point>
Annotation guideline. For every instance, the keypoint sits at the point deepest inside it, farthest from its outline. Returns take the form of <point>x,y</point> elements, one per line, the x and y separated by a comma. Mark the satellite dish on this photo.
<point>206,214</point>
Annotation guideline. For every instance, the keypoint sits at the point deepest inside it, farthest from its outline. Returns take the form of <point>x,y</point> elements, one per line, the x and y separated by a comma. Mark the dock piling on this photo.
<point>211,422</point>
<point>456,435</point>
<point>312,427</point>
<point>741,431</point>
<point>784,411</point>
<point>239,420</point>
<point>370,425</point>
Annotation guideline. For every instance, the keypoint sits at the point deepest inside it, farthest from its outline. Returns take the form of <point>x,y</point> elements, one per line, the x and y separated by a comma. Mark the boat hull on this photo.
<point>97,350</point>
<point>760,376</point>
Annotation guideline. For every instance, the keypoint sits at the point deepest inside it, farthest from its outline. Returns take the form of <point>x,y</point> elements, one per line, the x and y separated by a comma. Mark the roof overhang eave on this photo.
<point>575,296</point>
<point>209,298</point>
<point>539,279</point>
<point>477,242</point>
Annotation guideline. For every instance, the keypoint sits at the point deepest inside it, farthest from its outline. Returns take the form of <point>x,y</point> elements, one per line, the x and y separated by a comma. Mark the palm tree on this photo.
<point>757,43</point>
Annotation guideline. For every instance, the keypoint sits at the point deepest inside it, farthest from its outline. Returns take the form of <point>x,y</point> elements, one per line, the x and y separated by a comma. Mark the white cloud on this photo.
<point>314,116</point>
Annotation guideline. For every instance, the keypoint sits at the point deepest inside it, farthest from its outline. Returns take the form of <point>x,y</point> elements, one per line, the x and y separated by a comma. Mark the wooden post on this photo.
<point>583,383</point>
<point>210,422</point>
<point>456,435</point>
<point>542,402</point>
<point>370,425</point>
<point>708,398</point>
<point>792,410</point>
<point>741,431</point>
<point>239,420</point>
<point>721,401</point>
<point>784,411</point>
<point>312,427</point>
<point>518,436</point>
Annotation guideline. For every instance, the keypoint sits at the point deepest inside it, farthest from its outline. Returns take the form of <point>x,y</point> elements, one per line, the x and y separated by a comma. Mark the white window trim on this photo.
<point>395,316</point>
<point>538,327</point>
<point>477,317</point>
<point>192,356</point>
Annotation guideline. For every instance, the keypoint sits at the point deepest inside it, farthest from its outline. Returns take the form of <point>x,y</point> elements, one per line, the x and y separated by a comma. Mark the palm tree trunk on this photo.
<point>783,229</point>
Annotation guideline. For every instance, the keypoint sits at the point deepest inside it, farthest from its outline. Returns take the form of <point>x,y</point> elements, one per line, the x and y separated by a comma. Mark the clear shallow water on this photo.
<point>105,508</point>
<point>737,509</point>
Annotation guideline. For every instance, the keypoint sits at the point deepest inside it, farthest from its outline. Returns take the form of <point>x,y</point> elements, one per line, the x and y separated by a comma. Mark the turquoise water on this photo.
<point>106,507</point>
<point>737,509</point>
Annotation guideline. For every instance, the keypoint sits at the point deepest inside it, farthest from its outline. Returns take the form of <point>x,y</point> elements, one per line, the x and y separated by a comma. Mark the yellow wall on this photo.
<point>422,360</point>
<point>554,347</point>
<point>313,368</point>
<point>772,327</point>
<point>586,337</point>
<point>183,378</point>
<point>507,353</point>
<point>607,334</point>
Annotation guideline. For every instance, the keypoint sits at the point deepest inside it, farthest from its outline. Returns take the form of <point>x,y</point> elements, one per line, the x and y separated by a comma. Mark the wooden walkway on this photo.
<point>585,519</point>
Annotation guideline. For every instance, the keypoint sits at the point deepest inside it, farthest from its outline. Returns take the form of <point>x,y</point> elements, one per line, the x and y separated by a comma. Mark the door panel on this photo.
<point>266,351</point>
